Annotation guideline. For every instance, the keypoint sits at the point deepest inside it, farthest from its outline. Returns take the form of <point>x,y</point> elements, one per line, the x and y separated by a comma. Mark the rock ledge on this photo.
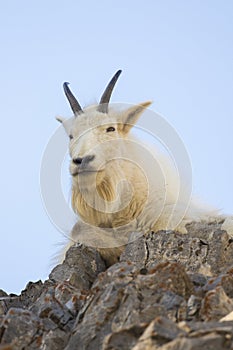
<point>168,291</point>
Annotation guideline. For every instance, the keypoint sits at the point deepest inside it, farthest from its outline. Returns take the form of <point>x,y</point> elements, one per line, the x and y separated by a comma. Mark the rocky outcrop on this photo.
<point>168,291</point>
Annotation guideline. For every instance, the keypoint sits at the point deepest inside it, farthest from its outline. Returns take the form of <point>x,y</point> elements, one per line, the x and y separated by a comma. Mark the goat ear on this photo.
<point>131,115</point>
<point>60,119</point>
<point>66,123</point>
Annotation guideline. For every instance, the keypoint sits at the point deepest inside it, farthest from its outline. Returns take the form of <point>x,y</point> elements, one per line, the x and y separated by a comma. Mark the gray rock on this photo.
<point>169,291</point>
<point>2,293</point>
<point>19,328</point>
<point>210,341</point>
<point>54,340</point>
<point>123,339</point>
<point>47,306</point>
<point>164,334</point>
<point>122,298</point>
<point>30,294</point>
<point>206,249</point>
<point>24,300</point>
<point>159,332</point>
<point>215,305</point>
<point>80,268</point>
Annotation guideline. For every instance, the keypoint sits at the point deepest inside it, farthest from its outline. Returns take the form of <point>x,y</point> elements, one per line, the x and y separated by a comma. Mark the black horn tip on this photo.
<point>116,76</point>
<point>118,72</point>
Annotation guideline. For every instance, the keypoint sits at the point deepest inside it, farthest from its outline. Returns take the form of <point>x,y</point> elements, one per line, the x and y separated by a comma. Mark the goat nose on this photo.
<point>83,160</point>
<point>77,160</point>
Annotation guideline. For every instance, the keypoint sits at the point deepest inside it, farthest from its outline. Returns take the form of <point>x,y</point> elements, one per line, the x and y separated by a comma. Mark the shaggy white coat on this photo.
<point>127,189</point>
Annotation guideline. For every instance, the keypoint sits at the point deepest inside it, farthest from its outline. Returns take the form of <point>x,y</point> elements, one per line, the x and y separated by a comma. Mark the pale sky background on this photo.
<point>177,53</point>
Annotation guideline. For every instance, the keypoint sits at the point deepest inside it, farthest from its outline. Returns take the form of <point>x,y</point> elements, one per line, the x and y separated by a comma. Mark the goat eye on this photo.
<point>110,129</point>
<point>71,137</point>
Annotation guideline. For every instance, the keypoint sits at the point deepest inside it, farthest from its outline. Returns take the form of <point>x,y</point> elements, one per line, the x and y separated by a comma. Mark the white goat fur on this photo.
<point>123,195</point>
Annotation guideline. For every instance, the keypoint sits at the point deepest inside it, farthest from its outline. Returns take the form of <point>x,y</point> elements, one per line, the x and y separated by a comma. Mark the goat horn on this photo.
<point>104,101</point>
<point>75,106</point>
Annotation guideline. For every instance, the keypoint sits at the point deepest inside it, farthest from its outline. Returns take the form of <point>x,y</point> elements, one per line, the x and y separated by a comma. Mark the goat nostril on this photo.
<point>83,160</point>
<point>89,158</point>
<point>77,160</point>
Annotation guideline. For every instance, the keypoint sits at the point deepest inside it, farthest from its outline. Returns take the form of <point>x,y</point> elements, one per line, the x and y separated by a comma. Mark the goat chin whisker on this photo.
<point>85,172</point>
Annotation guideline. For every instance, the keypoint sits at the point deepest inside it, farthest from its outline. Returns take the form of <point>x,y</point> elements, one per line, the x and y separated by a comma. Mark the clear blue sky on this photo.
<point>177,53</point>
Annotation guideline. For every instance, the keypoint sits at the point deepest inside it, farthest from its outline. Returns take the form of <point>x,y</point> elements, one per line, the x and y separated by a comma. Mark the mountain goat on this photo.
<point>120,187</point>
